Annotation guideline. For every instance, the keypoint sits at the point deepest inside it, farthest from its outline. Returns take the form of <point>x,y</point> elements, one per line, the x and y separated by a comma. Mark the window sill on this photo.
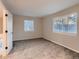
<point>66,33</point>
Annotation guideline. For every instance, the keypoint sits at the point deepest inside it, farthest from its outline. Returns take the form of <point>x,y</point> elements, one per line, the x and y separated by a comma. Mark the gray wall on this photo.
<point>70,41</point>
<point>18,28</point>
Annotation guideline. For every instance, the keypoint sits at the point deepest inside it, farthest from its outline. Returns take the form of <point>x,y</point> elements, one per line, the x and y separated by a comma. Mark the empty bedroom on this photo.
<point>39,29</point>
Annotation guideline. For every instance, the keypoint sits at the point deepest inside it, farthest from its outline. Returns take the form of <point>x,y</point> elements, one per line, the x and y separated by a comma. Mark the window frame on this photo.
<point>31,30</point>
<point>66,17</point>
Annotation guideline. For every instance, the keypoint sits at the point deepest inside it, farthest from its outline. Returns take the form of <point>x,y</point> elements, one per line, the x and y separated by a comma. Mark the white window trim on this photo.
<point>75,33</point>
<point>32,30</point>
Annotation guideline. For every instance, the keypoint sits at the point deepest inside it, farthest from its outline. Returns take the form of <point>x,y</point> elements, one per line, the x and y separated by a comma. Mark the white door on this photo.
<point>9,31</point>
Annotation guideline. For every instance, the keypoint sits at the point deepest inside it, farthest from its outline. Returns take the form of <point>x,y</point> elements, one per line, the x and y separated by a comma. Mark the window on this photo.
<point>66,24</point>
<point>28,25</point>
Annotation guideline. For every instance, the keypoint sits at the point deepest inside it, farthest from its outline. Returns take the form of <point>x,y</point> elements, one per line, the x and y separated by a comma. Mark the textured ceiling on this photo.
<point>37,8</point>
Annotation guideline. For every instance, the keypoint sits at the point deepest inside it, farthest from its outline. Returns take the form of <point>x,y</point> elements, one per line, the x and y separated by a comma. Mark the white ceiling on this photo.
<point>37,8</point>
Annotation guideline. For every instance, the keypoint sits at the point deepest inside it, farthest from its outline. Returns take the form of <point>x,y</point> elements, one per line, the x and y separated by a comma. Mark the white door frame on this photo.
<point>7,45</point>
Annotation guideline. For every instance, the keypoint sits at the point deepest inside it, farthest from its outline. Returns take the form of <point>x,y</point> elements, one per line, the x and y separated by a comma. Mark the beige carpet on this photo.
<point>40,49</point>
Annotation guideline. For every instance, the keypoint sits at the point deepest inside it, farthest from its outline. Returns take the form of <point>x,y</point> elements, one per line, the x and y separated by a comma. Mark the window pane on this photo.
<point>72,23</point>
<point>58,25</point>
<point>65,24</point>
<point>28,25</point>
